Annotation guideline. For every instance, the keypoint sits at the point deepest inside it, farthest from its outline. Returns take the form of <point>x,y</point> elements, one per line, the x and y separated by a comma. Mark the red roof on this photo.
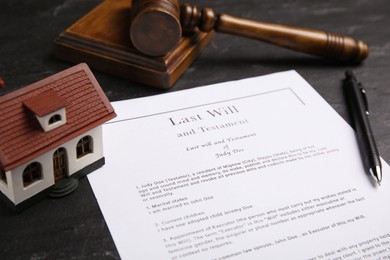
<point>21,136</point>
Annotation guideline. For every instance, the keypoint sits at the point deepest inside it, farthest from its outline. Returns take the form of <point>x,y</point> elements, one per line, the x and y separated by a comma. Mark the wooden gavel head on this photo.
<point>155,26</point>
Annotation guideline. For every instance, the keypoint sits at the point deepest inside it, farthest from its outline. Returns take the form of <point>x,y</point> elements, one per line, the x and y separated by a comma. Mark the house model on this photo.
<point>51,133</point>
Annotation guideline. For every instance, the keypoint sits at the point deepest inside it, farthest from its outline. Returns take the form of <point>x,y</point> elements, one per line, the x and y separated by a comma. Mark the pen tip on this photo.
<point>376,173</point>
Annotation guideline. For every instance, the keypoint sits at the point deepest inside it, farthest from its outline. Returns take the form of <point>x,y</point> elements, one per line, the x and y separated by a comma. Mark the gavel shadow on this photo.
<point>292,61</point>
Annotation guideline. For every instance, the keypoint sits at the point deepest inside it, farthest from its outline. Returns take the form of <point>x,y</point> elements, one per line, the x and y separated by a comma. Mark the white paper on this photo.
<point>261,168</point>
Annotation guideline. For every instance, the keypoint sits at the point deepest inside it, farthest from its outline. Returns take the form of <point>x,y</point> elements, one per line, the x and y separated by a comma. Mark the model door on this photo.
<point>60,164</point>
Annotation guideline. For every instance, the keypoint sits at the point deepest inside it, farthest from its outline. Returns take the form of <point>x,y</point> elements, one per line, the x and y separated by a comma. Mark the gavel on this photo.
<point>157,26</point>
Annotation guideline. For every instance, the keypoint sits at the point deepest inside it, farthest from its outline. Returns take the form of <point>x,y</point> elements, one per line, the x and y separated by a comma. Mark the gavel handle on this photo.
<point>323,44</point>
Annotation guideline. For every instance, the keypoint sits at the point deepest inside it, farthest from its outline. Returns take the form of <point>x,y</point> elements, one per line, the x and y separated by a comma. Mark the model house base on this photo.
<point>46,193</point>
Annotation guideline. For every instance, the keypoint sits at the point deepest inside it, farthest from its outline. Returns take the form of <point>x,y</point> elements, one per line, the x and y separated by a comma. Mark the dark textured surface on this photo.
<point>73,227</point>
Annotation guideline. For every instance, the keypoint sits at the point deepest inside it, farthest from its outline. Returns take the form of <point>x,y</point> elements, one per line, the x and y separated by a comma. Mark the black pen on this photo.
<point>358,108</point>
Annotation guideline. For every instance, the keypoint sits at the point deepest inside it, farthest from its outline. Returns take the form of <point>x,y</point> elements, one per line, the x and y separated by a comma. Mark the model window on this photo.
<point>84,146</point>
<point>32,173</point>
<point>2,176</point>
<point>54,119</point>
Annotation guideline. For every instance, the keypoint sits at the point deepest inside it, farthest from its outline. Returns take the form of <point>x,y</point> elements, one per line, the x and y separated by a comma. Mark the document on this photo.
<point>260,168</point>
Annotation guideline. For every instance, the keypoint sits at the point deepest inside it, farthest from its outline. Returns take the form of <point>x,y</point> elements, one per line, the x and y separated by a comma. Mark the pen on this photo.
<point>358,108</point>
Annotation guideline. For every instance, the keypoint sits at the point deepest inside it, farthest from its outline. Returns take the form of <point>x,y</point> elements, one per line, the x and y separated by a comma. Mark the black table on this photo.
<point>73,227</point>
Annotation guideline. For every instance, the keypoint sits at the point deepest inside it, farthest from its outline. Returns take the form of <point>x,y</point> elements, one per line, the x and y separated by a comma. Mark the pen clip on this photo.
<point>364,95</point>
